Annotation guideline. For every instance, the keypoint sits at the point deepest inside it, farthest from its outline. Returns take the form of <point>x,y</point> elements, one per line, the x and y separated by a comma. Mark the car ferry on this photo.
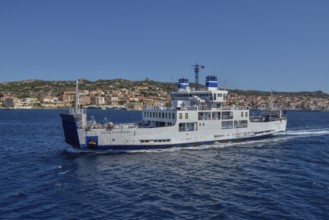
<point>194,117</point>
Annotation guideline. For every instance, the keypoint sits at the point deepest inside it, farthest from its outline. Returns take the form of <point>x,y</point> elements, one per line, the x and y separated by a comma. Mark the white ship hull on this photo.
<point>130,136</point>
<point>195,117</point>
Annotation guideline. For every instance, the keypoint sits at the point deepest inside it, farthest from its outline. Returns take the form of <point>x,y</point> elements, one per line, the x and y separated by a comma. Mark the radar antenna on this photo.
<point>77,98</point>
<point>196,68</point>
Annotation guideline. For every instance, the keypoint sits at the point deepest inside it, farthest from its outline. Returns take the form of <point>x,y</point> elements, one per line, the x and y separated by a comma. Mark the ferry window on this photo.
<point>153,114</point>
<point>215,96</point>
<point>169,115</point>
<point>173,115</point>
<point>215,115</point>
<point>227,115</point>
<point>241,114</point>
<point>227,124</point>
<point>241,124</point>
<point>180,115</point>
<point>186,115</point>
<point>163,115</point>
<point>166,115</point>
<point>204,116</point>
<point>224,96</point>
<point>246,114</point>
<point>187,126</point>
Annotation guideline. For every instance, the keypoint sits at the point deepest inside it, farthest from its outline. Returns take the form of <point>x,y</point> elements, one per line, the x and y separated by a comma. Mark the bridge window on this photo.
<point>246,114</point>
<point>186,115</point>
<point>180,115</point>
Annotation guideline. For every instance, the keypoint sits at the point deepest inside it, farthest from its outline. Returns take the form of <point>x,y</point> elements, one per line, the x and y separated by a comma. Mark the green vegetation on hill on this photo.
<point>40,88</point>
<point>317,94</point>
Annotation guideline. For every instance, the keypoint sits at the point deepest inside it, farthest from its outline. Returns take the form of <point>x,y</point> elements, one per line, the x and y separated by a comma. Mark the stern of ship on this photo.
<point>70,129</point>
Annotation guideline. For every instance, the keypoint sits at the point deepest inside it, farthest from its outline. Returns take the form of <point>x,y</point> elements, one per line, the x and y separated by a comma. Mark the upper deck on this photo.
<point>210,98</point>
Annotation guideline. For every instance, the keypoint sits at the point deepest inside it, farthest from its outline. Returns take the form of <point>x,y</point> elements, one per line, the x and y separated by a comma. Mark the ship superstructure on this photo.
<point>194,117</point>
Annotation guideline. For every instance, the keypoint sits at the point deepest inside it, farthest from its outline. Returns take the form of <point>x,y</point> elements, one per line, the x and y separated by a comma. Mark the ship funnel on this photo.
<point>211,82</point>
<point>183,83</point>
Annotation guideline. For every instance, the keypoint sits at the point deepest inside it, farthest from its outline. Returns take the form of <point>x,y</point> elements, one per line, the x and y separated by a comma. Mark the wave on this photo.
<point>312,132</point>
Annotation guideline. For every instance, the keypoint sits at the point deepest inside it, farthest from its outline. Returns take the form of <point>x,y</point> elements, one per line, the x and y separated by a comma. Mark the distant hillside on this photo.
<point>317,94</point>
<point>40,88</point>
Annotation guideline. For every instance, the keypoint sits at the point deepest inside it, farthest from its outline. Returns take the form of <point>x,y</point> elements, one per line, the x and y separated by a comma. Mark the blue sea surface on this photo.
<point>284,177</point>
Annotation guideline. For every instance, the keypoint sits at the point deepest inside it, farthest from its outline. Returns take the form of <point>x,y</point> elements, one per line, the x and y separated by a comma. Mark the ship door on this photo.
<point>92,141</point>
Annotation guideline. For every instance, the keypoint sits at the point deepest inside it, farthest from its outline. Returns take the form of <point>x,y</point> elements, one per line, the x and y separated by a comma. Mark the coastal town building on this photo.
<point>85,100</point>
<point>113,100</point>
<point>11,102</point>
<point>98,100</point>
<point>135,106</point>
<point>67,97</point>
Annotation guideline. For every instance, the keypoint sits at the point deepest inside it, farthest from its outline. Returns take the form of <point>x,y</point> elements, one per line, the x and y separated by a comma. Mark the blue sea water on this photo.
<point>284,177</point>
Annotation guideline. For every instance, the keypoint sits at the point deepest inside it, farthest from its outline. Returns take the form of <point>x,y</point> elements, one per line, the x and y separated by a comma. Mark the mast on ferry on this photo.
<point>196,68</point>
<point>77,100</point>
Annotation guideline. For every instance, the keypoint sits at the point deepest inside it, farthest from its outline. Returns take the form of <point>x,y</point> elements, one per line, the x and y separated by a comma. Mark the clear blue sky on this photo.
<point>252,44</point>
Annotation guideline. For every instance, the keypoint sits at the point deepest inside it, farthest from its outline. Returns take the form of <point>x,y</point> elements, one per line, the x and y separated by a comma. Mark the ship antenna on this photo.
<point>196,71</point>
<point>271,100</point>
<point>77,100</point>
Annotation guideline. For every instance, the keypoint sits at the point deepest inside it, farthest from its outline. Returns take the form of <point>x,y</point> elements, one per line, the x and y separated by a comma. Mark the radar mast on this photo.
<point>196,68</point>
